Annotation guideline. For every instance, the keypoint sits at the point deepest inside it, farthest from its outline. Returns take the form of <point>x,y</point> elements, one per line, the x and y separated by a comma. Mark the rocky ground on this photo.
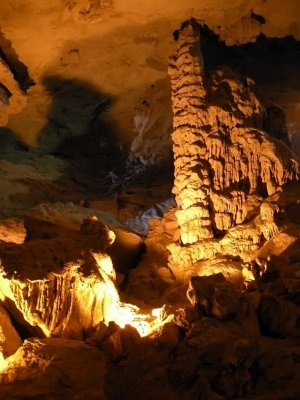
<point>219,338</point>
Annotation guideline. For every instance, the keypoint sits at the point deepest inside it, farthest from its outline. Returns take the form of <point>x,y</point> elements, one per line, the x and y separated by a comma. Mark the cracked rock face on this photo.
<point>224,161</point>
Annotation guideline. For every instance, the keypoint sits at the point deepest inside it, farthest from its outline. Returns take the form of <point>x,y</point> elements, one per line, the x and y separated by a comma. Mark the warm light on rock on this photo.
<point>149,199</point>
<point>2,362</point>
<point>224,161</point>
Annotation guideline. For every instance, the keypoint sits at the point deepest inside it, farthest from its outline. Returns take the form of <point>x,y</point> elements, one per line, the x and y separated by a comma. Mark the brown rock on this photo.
<point>121,343</point>
<point>169,335</point>
<point>12,99</point>
<point>58,285</point>
<point>217,296</point>
<point>53,369</point>
<point>277,317</point>
<point>10,340</point>
<point>247,316</point>
<point>184,317</point>
<point>89,11</point>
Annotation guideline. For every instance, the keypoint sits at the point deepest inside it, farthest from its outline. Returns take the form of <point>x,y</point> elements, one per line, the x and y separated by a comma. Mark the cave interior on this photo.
<point>150,200</point>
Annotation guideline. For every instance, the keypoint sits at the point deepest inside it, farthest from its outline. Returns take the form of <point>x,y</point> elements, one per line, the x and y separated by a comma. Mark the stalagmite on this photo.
<point>223,159</point>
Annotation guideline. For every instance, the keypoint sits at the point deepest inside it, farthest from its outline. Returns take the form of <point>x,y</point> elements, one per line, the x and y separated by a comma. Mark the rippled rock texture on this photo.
<point>225,163</point>
<point>61,286</point>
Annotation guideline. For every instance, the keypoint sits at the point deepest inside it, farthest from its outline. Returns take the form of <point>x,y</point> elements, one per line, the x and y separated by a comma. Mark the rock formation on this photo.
<point>225,164</point>
<point>88,308</point>
<point>12,98</point>
<point>29,370</point>
<point>60,286</point>
<point>10,340</point>
<point>153,125</point>
<point>57,219</point>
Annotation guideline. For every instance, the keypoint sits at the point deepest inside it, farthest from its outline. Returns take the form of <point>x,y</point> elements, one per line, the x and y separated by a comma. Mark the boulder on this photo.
<point>49,220</point>
<point>120,343</point>
<point>217,296</point>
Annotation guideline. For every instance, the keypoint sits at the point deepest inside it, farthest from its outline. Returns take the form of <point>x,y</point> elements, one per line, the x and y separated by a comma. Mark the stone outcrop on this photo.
<point>225,164</point>
<point>61,286</point>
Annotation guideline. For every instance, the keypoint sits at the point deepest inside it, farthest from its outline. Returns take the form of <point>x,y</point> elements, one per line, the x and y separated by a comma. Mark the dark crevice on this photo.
<point>4,89</point>
<point>258,18</point>
<point>17,67</point>
<point>267,60</point>
<point>23,327</point>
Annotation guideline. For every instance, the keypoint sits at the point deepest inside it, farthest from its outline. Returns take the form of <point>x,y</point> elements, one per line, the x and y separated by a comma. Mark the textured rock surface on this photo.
<point>58,285</point>
<point>217,296</point>
<point>153,125</point>
<point>67,47</point>
<point>89,11</point>
<point>53,369</point>
<point>12,230</point>
<point>49,220</point>
<point>224,162</point>
<point>10,340</point>
<point>221,154</point>
<point>219,347</point>
<point>82,118</point>
<point>93,65</point>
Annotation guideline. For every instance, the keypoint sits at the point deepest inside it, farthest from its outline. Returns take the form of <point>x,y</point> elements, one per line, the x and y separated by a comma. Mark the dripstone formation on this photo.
<point>225,163</point>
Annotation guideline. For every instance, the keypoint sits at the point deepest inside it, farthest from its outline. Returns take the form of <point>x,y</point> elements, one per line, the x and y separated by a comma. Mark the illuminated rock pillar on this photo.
<point>225,164</point>
<point>192,181</point>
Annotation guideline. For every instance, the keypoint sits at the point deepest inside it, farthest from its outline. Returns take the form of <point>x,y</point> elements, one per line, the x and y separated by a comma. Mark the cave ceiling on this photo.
<point>77,58</point>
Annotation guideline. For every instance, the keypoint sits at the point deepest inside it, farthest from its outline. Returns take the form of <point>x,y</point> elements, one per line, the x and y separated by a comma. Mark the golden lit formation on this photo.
<point>149,200</point>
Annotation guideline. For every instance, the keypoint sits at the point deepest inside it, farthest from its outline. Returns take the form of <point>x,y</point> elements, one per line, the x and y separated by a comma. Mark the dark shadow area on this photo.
<point>23,327</point>
<point>78,154</point>
<point>267,60</point>
<point>78,133</point>
<point>10,144</point>
<point>18,68</point>
<point>79,158</point>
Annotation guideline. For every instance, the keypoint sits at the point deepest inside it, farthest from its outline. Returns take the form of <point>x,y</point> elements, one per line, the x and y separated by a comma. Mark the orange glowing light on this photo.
<point>2,361</point>
<point>124,313</point>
